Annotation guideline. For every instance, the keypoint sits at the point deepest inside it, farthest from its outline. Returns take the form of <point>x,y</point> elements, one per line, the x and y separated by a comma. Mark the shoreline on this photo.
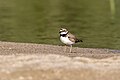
<point>33,48</point>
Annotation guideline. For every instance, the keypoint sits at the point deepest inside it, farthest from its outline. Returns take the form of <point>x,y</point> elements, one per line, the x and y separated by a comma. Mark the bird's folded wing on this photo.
<point>72,37</point>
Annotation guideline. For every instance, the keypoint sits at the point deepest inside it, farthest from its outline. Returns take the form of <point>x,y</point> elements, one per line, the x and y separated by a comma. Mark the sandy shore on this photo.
<point>26,61</point>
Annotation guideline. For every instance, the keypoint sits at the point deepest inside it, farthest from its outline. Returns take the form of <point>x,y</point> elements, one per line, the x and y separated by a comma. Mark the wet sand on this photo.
<point>27,61</point>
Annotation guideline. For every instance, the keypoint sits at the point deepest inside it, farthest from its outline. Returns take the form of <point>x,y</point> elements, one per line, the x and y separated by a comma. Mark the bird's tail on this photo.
<point>78,41</point>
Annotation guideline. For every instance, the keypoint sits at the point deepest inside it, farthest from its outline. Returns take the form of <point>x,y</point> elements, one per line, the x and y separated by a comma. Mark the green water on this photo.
<point>39,21</point>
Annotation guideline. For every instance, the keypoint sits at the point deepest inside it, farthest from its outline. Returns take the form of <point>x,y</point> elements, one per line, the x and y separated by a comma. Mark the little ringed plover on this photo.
<point>67,38</point>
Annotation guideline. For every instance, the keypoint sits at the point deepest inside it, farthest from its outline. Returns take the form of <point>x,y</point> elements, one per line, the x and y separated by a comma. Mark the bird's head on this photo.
<point>63,31</point>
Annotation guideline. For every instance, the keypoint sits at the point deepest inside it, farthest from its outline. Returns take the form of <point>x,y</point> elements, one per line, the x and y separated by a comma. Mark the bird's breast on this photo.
<point>66,40</point>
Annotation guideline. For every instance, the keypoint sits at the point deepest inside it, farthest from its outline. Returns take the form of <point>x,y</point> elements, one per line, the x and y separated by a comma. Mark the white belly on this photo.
<point>66,41</point>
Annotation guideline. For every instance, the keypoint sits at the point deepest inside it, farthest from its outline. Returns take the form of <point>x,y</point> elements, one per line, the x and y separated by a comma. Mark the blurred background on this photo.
<point>96,22</point>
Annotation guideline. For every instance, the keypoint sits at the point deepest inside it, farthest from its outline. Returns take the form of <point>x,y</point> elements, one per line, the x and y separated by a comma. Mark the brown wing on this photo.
<point>72,37</point>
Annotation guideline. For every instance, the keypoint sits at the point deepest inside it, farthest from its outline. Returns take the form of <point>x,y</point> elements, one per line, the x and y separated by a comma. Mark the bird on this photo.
<point>67,38</point>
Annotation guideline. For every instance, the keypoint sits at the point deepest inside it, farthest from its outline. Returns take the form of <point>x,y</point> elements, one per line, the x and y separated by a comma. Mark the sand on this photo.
<point>27,61</point>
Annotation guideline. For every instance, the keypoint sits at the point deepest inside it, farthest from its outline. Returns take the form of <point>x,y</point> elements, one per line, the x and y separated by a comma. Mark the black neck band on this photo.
<point>63,35</point>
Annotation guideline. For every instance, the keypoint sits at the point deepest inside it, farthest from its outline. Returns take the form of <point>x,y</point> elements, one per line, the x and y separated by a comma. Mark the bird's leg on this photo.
<point>65,48</point>
<point>70,48</point>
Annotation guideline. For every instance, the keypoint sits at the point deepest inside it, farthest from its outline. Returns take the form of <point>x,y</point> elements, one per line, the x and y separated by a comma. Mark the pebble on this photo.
<point>21,78</point>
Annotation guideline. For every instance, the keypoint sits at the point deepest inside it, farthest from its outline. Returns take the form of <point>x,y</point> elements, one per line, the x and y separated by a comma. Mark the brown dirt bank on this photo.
<point>11,48</point>
<point>25,61</point>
